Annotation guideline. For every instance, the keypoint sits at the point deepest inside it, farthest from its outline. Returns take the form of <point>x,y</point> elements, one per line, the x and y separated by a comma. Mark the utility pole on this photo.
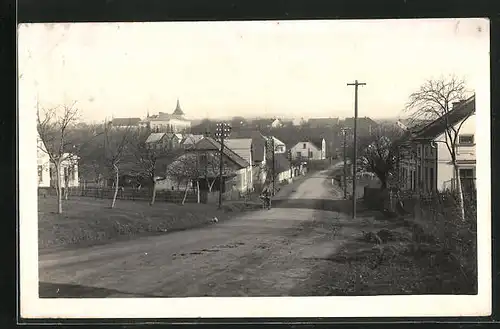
<point>356,84</point>
<point>344,146</point>
<point>222,131</point>
<point>274,169</point>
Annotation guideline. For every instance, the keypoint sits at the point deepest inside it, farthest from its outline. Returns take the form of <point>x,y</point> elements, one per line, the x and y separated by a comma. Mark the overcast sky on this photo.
<point>292,68</point>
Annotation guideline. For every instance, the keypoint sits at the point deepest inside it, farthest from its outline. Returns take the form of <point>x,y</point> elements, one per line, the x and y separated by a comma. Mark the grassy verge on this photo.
<point>396,256</point>
<point>87,221</point>
<point>399,262</point>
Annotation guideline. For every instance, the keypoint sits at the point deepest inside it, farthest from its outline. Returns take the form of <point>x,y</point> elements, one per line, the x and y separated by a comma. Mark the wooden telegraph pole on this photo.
<point>222,132</point>
<point>344,146</point>
<point>274,168</point>
<point>356,84</point>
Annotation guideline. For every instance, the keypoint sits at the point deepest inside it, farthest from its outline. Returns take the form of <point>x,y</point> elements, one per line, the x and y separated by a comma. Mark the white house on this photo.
<point>279,146</point>
<point>43,164</point>
<point>165,122</point>
<point>203,161</point>
<point>314,149</point>
<point>427,165</point>
<point>68,173</point>
<point>277,123</point>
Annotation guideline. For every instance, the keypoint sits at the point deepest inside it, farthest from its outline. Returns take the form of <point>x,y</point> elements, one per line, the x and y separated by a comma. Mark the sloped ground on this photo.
<point>398,264</point>
<point>88,221</point>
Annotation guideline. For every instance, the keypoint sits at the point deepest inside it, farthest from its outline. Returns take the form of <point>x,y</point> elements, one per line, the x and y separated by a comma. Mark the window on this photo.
<point>466,139</point>
<point>304,145</point>
<point>203,159</point>
<point>310,154</point>
<point>466,173</point>
<point>40,174</point>
<point>431,178</point>
<point>299,155</point>
<point>413,180</point>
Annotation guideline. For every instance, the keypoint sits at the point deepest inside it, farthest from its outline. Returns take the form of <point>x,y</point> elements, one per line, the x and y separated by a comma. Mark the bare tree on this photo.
<point>195,165</point>
<point>53,126</point>
<point>116,144</point>
<point>148,158</point>
<point>434,100</point>
<point>378,154</point>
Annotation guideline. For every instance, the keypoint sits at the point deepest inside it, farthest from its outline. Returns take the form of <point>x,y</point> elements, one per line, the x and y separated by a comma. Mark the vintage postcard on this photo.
<point>320,168</point>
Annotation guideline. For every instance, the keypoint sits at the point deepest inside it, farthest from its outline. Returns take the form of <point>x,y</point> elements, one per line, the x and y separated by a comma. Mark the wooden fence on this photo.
<point>129,194</point>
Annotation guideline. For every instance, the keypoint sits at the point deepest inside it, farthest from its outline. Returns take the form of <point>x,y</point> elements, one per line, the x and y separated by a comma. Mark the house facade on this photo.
<point>165,122</point>
<point>68,171</point>
<point>276,123</point>
<point>279,146</point>
<point>202,163</point>
<point>426,163</point>
<point>309,150</point>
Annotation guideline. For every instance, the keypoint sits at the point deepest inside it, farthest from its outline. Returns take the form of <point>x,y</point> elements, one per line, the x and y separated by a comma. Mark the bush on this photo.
<point>455,238</point>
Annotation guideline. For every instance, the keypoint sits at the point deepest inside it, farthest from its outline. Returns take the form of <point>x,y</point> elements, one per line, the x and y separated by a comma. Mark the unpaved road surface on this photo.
<point>260,253</point>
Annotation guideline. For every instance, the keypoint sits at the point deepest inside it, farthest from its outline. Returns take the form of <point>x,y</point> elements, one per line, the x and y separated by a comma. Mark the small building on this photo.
<point>284,169</point>
<point>276,123</point>
<point>202,164</point>
<point>157,141</point>
<point>190,140</point>
<point>311,149</point>
<point>279,146</point>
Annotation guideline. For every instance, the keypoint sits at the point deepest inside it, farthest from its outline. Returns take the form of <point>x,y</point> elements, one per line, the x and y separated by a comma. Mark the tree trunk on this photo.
<point>460,192</point>
<point>66,186</point>
<point>153,193</point>
<point>116,186</point>
<point>211,186</point>
<point>185,193</point>
<point>198,190</point>
<point>58,188</point>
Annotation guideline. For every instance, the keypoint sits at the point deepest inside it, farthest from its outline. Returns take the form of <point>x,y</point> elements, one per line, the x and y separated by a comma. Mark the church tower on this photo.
<point>178,111</point>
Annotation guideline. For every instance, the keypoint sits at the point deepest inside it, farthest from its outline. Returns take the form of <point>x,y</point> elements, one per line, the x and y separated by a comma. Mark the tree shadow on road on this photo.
<point>62,290</point>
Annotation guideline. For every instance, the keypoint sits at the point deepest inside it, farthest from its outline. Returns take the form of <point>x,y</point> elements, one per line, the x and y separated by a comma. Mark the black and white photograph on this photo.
<point>300,168</point>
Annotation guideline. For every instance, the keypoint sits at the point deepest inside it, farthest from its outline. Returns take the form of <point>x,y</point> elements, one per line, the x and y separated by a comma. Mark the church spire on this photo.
<point>178,110</point>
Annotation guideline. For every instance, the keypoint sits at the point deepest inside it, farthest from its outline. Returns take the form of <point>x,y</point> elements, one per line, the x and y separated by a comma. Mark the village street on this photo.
<point>259,253</point>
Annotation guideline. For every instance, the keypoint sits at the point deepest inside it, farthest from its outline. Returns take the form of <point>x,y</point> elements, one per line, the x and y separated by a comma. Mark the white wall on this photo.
<point>244,179</point>
<point>445,172</point>
<point>178,125</point>
<point>316,153</point>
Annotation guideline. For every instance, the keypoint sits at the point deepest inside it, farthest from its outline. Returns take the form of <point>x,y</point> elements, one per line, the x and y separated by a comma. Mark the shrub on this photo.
<point>455,238</point>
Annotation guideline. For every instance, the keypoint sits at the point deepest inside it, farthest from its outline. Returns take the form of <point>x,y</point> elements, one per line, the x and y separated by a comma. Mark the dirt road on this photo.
<point>261,253</point>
